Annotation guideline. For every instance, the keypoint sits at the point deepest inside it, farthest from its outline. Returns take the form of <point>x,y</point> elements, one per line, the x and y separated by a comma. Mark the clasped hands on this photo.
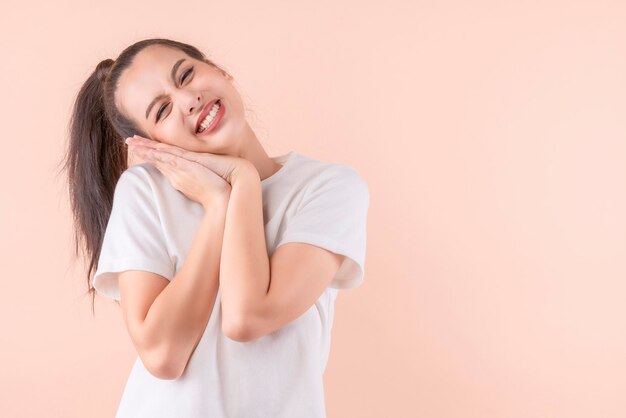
<point>200,176</point>
<point>164,155</point>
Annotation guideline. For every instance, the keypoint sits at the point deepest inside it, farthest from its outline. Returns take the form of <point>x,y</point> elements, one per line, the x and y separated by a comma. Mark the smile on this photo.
<point>212,119</point>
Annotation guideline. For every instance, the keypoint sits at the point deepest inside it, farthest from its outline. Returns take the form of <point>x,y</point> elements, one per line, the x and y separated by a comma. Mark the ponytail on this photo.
<point>97,156</point>
<point>95,161</point>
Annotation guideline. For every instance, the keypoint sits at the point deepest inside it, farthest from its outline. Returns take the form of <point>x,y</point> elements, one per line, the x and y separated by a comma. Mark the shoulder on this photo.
<point>142,177</point>
<point>333,182</point>
<point>342,178</point>
<point>328,173</point>
<point>138,188</point>
<point>344,173</point>
<point>140,173</point>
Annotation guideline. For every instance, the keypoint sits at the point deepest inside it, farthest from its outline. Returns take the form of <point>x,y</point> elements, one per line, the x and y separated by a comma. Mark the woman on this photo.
<point>226,262</point>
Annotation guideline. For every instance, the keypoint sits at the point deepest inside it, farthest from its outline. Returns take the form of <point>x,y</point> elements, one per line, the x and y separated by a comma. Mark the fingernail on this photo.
<point>127,140</point>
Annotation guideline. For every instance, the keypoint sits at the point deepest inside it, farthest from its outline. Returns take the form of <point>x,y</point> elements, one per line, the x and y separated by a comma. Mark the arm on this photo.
<point>244,266</point>
<point>260,295</point>
<point>170,331</point>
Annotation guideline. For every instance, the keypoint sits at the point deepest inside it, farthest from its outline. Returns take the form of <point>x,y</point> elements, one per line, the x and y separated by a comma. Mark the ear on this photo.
<point>224,72</point>
<point>227,75</point>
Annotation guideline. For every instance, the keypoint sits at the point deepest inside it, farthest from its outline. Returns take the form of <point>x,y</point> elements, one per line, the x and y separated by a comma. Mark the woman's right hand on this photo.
<point>192,179</point>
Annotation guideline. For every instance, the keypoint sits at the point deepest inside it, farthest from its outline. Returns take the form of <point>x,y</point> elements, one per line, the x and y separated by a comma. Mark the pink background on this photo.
<point>492,136</point>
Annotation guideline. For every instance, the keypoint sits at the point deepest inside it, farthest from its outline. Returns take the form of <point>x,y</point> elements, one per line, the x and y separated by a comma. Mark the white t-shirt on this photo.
<point>151,228</point>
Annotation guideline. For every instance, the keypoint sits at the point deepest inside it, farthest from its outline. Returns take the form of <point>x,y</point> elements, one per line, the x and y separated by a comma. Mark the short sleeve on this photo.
<point>133,239</point>
<point>333,215</point>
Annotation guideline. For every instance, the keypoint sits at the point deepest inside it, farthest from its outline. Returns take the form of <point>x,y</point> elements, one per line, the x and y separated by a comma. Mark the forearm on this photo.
<point>178,316</point>
<point>244,266</point>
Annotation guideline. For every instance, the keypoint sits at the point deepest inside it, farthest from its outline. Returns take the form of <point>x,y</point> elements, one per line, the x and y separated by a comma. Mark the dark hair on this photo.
<point>96,155</point>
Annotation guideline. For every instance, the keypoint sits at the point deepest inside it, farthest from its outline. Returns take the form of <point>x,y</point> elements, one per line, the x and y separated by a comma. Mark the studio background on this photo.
<point>491,135</point>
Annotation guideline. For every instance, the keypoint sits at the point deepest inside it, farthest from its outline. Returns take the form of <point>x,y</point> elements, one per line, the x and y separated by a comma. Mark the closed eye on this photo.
<point>182,80</point>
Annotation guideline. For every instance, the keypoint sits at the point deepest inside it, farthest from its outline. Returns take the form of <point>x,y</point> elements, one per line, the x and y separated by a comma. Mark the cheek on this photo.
<point>169,131</point>
<point>177,134</point>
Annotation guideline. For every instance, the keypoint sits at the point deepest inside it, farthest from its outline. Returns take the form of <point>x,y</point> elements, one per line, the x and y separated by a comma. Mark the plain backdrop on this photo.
<point>492,135</point>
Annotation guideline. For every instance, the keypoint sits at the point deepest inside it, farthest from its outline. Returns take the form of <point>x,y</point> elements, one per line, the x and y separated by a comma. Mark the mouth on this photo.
<point>210,116</point>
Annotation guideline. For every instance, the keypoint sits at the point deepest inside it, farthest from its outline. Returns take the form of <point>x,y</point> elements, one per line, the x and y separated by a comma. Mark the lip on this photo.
<point>204,112</point>
<point>216,119</point>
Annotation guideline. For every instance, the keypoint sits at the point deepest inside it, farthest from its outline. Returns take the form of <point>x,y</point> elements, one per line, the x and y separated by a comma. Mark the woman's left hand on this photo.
<point>225,166</point>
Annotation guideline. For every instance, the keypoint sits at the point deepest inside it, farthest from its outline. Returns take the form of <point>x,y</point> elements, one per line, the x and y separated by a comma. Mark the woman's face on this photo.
<point>173,90</point>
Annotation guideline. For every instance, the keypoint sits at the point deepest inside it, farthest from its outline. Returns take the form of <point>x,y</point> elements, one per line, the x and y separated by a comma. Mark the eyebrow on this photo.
<point>162,96</point>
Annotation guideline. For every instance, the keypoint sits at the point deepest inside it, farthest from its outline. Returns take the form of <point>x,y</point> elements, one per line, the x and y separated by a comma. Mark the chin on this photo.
<point>226,141</point>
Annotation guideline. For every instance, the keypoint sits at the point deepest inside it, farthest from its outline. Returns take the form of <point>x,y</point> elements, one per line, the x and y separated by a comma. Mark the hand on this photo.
<point>192,179</point>
<point>225,166</point>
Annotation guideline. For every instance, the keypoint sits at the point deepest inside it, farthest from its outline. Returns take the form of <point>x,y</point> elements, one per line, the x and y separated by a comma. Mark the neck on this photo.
<point>252,150</point>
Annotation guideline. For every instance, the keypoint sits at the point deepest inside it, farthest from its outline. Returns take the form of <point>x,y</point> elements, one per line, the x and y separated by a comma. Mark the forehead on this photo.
<point>146,77</point>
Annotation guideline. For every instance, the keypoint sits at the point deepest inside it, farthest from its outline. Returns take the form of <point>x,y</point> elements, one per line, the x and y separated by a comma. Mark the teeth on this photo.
<point>209,118</point>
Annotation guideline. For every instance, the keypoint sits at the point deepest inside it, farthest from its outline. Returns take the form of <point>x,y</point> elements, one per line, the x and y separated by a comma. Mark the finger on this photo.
<point>219,164</point>
<point>166,169</point>
<point>172,149</point>
<point>155,158</point>
<point>164,158</point>
<point>140,140</point>
<point>143,152</point>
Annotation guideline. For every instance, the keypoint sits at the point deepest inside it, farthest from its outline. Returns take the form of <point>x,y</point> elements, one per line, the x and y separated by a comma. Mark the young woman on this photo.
<point>226,262</point>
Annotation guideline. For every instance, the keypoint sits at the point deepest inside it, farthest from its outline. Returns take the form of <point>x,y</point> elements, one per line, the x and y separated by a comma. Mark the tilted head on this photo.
<point>111,105</point>
<point>167,95</point>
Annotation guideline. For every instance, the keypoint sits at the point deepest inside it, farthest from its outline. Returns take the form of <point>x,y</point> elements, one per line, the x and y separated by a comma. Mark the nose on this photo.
<point>190,102</point>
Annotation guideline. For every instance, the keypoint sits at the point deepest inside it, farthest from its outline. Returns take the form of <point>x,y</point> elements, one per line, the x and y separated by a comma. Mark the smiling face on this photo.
<point>175,91</point>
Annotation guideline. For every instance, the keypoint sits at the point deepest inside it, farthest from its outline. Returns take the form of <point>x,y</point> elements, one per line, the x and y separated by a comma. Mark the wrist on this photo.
<point>245,169</point>
<point>217,204</point>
